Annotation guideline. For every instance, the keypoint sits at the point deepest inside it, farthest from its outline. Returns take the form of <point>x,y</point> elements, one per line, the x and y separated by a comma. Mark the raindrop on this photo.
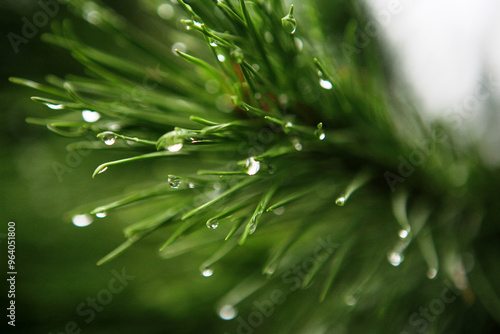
<point>213,223</point>
<point>173,141</point>
<point>432,273</point>
<point>221,58</point>
<point>191,185</point>
<point>252,228</point>
<point>178,46</point>
<point>82,220</point>
<point>279,211</point>
<point>102,214</point>
<point>114,126</point>
<point>298,43</point>
<point>403,234</point>
<point>289,23</point>
<point>271,269</point>
<point>212,86</point>
<point>108,138</point>
<point>55,106</point>
<point>252,166</point>
<point>227,312</point>
<point>175,148</point>
<point>90,116</point>
<point>297,144</point>
<point>207,272</point>
<point>165,11</point>
<point>320,133</point>
<point>92,16</point>
<point>340,201</point>
<point>174,181</point>
<point>350,300</point>
<point>256,67</point>
<point>395,258</point>
<point>325,84</point>
<point>213,44</point>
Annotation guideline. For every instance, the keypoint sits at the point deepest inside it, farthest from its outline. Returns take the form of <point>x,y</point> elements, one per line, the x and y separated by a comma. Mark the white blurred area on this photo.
<point>445,50</point>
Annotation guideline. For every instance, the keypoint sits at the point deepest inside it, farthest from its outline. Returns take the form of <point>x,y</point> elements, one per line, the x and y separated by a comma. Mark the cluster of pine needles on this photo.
<point>274,132</point>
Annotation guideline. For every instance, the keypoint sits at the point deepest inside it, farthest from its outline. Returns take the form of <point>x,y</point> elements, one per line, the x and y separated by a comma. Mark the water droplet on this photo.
<point>178,46</point>
<point>256,67</point>
<point>103,170</point>
<point>325,84</point>
<point>82,220</point>
<point>432,273</point>
<point>237,55</point>
<point>212,86</point>
<point>191,185</point>
<point>92,16</point>
<point>197,24</point>
<point>227,312</point>
<point>114,126</point>
<point>287,128</point>
<point>213,43</point>
<point>174,181</point>
<point>297,144</point>
<point>340,201</point>
<point>173,141</point>
<point>395,258</point>
<point>252,166</point>
<point>90,116</point>
<point>55,106</point>
<point>207,272</point>
<point>165,11</point>
<point>175,148</point>
<point>252,228</point>
<point>403,234</point>
<point>108,138</point>
<point>279,211</point>
<point>187,23</point>
<point>320,133</point>
<point>350,300</point>
<point>289,23</point>
<point>298,43</point>
<point>213,223</point>
<point>272,268</point>
<point>102,214</point>
<point>221,58</point>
